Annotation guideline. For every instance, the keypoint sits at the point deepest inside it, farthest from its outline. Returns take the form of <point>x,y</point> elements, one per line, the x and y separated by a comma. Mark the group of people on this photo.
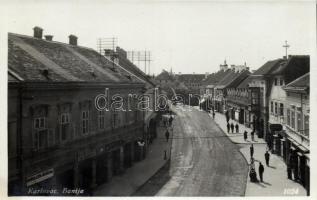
<point>252,174</point>
<point>231,126</point>
<point>245,135</point>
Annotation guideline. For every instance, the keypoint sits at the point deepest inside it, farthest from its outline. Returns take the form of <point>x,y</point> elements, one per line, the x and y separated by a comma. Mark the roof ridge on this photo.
<point>55,42</point>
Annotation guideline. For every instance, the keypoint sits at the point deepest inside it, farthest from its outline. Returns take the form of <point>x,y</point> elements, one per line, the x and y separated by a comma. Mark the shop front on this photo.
<point>298,162</point>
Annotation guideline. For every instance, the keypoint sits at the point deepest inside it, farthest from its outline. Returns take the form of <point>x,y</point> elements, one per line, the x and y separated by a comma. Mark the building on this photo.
<point>150,89</point>
<point>272,74</point>
<point>239,102</point>
<point>233,78</point>
<point>191,81</point>
<point>207,90</point>
<point>289,125</point>
<point>57,137</point>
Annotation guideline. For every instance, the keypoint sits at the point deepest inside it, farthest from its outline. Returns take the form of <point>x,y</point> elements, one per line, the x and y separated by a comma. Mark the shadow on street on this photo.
<point>155,183</point>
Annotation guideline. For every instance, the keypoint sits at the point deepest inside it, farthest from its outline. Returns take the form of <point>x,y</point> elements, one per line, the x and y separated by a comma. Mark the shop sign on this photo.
<point>39,177</point>
<point>276,127</point>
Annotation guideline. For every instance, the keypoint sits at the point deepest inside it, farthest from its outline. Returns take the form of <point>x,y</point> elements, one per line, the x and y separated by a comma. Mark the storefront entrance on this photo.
<point>127,155</point>
<point>85,175</point>
<point>101,169</point>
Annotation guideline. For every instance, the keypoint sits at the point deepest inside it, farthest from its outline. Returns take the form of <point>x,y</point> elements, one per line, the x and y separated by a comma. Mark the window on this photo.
<point>306,125</point>
<point>43,139</point>
<point>101,120</point>
<point>39,123</point>
<point>272,108</point>
<point>281,109</point>
<point>64,118</point>
<point>281,82</point>
<point>293,119</point>
<point>299,123</point>
<point>85,122</point>
<point>64,128</point>
<point>115,119</point>
<point>275,81</point>
<point>288,117</point>
<point>275,112</point>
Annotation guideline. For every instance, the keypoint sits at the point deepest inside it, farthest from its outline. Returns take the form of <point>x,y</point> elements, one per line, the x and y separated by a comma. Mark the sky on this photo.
<point>187,36</point>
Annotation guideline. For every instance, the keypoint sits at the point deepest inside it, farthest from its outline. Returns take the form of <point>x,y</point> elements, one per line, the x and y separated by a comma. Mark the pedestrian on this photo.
<point>237,128</point>
<point>213,115</point>
<point>261,171</point>
<point>251,150</point>
<point>232,128</point>
<point>228,127</point>
<point>245,135</point>
<point>267,158</point>
<point>170,120</point>
<point>167,135</point>
<point>252,135</point>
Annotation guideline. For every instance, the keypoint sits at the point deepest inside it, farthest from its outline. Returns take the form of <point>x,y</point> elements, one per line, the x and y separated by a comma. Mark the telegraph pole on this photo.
<point>286,46</point>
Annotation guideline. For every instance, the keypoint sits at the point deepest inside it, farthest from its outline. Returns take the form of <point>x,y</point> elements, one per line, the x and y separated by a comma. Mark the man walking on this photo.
<point>170,120</point>
<point>245,135</point>
<point>261,171</point>
<point>251,150</point>
<point>232,128</point>
<point>228,127</point>
<point>167,135</point>
<point>237,128</point>
<point>252,135</point>
<point>267,158</point>
<point>213,114</point>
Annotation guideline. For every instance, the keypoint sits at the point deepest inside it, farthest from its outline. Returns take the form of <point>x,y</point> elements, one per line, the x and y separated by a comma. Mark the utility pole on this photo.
<point>286,46</point>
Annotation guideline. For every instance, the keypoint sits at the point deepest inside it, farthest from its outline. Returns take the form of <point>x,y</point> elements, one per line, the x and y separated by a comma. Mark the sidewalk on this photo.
<point>275,178</point>
<point>237,138</point>
<point>135,176</point>
<point>275,181</point>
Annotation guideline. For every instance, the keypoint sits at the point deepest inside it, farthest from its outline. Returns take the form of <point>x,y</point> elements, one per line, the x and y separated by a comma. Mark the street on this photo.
<point>204,161</point>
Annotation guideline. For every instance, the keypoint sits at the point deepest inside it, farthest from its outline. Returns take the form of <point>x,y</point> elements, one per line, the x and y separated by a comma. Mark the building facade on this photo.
<point>60,134</point>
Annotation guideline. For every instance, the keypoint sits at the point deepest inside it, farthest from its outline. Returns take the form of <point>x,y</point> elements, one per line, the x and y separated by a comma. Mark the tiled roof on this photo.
<point>241,76</point>
<point>245,82</point>
<point>216,77</point>
<point>294,67</point>
<point>232,79</point>
<point>267,67</point>
<point>190,77</point>
<point>41,60</point>
<point>128,65</point>
<point>301,83</point>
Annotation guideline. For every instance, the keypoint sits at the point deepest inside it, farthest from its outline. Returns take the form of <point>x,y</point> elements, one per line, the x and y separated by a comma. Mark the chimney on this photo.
<point>48,37</point>
<point>72,40</point>
<point>121,52</point>
<point>38,32</point>
<point>206,74</point>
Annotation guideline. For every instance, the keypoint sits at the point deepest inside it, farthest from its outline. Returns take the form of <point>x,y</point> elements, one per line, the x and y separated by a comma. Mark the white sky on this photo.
<point>188,36</point>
